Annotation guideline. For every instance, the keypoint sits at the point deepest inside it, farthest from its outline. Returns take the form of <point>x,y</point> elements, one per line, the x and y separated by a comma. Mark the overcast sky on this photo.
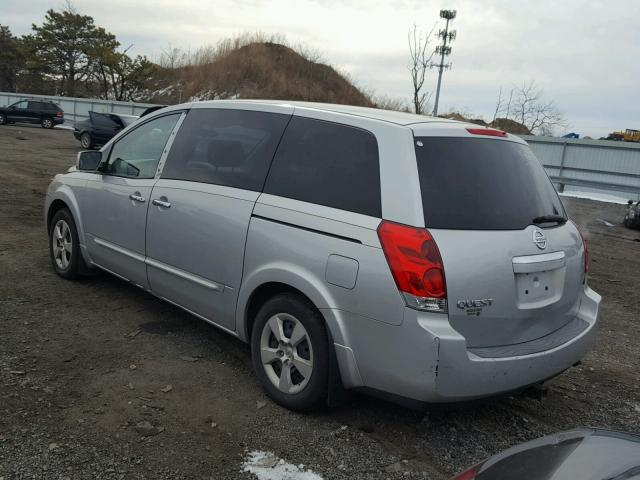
<point>584,54</point>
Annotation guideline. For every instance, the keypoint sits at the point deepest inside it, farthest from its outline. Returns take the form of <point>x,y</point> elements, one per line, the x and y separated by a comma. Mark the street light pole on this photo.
<point>443,50</point>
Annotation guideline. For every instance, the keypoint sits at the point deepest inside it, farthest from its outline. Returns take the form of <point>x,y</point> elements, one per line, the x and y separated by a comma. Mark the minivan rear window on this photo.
<point>482,184</point>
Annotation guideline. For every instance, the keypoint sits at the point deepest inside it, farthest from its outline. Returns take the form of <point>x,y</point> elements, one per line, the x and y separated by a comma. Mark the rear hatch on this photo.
<point>513,265</point>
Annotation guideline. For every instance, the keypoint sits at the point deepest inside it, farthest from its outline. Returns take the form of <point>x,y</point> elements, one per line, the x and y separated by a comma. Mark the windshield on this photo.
<point>482,184</point>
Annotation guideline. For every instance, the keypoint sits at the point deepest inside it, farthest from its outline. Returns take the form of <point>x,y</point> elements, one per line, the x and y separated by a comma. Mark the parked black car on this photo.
<point>99,128</point>
<point>632,217</point>
<point>46,113</point>
<point>583,454</point>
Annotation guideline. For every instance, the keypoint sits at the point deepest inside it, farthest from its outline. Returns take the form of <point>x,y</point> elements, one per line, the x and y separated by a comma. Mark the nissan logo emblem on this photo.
<point>539,239</point>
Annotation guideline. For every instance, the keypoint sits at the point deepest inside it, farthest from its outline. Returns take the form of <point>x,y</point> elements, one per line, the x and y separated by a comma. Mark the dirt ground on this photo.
<point>83,363</point>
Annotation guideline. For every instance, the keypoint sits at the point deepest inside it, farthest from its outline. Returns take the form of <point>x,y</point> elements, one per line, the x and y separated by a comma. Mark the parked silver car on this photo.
<point>416,257</point>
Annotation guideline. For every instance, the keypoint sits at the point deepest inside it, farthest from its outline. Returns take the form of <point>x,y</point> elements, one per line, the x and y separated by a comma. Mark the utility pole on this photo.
<point>443,50</point>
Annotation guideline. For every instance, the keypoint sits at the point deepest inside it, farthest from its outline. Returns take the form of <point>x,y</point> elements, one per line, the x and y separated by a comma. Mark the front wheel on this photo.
<point>3,119</point>
<point>64,246</point>
<point>290,352</point>
<point>46,123</point>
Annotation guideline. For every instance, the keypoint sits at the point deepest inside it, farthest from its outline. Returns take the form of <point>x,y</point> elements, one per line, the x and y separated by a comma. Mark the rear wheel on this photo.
<point>86,141</point>
<point>290,352</point>
<point>3,119</point>
<point>46,123</point>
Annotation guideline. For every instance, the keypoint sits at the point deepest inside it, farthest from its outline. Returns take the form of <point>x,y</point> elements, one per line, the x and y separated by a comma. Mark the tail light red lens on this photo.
<point>491,132</point>
<point>416,265</point>
<point>59,114</point>
<point>469,474</point>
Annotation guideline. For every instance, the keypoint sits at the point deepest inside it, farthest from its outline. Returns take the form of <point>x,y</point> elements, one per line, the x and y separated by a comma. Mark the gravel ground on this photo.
<point>100,380</point>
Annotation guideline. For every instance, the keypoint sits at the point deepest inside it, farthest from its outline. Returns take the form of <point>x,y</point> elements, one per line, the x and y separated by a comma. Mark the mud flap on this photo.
<point>336,393</point>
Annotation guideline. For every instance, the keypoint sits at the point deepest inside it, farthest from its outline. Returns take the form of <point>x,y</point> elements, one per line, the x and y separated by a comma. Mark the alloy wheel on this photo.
<point>85,140</point>
<point>286,353</point>
<point>46,123</point>
<point>62,244</point>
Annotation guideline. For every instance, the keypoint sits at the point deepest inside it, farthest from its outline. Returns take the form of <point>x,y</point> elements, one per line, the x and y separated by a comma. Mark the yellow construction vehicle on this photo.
<point>628,135</point>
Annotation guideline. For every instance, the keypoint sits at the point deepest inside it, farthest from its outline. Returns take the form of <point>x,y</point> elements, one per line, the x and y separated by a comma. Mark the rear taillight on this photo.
<point>469,474</point>
<point>491,132</point>
<point>416,265</point>
<point>59,114</point>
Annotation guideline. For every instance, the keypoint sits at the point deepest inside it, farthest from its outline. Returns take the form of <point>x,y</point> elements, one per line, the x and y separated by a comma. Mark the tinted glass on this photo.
<point>35,106</point>
<point>482,184</point>
<point>327,164</point>
<point>102,120</point>
<point>137,154</point>
<point>225,147</point>
<point>21,105</point>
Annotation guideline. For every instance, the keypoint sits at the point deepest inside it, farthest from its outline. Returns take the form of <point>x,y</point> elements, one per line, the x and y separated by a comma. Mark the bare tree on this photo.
<point>527,106</point>
<point>172,58</point>
<point>419,58</point>
<point>385,102</point>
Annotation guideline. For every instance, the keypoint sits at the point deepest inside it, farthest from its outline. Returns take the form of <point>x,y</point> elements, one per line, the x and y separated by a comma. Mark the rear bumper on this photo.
<point>58,121</point>
<point>425,359</point>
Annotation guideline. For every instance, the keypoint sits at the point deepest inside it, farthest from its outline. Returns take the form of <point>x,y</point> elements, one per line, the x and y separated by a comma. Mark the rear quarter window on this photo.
<point>482,184</point>
<point>327,164</point>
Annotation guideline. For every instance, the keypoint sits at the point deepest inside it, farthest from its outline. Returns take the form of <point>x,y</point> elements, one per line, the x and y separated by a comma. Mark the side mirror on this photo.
<point>630,202</point>
<point>89,160</point>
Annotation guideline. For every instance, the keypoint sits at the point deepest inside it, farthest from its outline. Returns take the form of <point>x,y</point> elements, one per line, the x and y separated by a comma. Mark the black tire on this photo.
<point>3,119</point>
<point>76,264</point>
<point>314,393</point>
<point>86,141</point>
<point>46,123</point>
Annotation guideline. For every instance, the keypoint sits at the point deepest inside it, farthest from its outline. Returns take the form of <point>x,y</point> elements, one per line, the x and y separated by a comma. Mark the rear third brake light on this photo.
<point>416,265</point>
<point>492,132</point>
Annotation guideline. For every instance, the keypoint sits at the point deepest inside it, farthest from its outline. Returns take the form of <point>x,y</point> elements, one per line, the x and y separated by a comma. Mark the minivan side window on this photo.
<point>137,154</point>
<point>327,164</point>
<point>225,147</point>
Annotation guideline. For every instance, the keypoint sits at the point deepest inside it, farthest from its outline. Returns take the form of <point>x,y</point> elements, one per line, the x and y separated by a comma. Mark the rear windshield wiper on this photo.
<point>559,219</point>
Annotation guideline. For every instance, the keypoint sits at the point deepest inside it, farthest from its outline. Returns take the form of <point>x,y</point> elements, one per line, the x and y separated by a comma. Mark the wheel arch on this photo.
<point>63,197</point>
<point>271,280</point>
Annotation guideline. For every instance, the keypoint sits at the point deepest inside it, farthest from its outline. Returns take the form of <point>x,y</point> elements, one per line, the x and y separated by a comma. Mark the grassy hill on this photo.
<point>264,70</point>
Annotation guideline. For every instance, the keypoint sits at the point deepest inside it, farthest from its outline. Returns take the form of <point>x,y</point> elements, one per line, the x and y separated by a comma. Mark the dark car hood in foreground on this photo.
<point>585,454</point>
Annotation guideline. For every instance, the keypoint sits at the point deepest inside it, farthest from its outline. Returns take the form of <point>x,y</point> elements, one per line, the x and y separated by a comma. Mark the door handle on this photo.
<point>136,197</point>
<point>161,202</point>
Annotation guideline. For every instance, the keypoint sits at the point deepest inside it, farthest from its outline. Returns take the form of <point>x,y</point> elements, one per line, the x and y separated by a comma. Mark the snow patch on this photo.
<point>598,197</point>
<point>267,466</point>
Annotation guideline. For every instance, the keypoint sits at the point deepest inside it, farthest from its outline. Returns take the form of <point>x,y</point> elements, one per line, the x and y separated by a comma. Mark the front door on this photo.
<point>114,208</point>
<point>18,112</point>
<point>201,207</point>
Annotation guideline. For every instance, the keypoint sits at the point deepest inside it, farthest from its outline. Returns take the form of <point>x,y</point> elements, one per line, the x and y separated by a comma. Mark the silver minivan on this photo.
<point>413,257</point>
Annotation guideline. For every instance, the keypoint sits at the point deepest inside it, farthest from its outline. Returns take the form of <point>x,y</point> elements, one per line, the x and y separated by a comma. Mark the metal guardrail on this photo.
<point>77,109</point>
<point>587,164</point>
<point>600,165</point>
